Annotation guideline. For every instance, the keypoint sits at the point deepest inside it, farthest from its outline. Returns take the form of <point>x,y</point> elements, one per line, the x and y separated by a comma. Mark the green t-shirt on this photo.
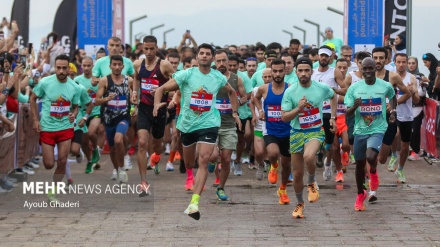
<point>291,78</point>
<point>370,116</point>
<point>84,99</point>
<point>336,41</point>
<point>91,90</point>
<point>332,65</point>
<point>102,67</point>
<point>244,111</point>
<point>198,99</point>
<point>257,79</point>
<point>57,100</point>
<point>261,66</point>
<point>311,115</point>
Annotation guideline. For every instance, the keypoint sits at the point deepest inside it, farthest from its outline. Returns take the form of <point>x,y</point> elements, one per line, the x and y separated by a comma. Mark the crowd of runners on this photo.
<point>278,111</point>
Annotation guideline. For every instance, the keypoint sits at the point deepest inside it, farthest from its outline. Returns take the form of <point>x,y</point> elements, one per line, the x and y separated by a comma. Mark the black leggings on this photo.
<point>415,137</point>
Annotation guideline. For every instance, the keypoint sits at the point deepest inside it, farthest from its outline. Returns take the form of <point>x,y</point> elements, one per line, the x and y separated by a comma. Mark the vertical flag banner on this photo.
<point>395,18</point>
<point>20,13</point>
<point>118,19</point>
<point>365,24</point>
<point>94,25</point>
<point>65,25</point>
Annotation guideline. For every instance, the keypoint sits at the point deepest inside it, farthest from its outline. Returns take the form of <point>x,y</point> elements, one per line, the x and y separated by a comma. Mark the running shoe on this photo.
<point>4,191</point>
<point>127,163</point>
<point>319,162</point>
<point>89,167</point>
<point>28,170</point>
<point>80,157</point>
<point>273,175</point>
<point>221,195</point>
<point>374,181</point>
<point>145,189</point>
<point>154,159</point>
<point>359,205</point>
<point>245,159</point>
<point>327,173</point>
<point>266,165</point>
<point>123,176</point>
<point>177,156</point>
<point>237,169</point>
<point>392,164</point>
<point>259,174</point>
<point>298,212</point>
<point>96,155</point>
<point>400,176</point>
<point>252,166</point>
<point>193,211</point>
<point>211,167</point>
<point>413,156</point>
<point>167,149</point>
<point>372,196</point>
<point>290,179</point>
<point>33,164</point>
<point>232,166</point>
<point>7,185</point>
<point>344,159</point>
<point>284,198</point>
<point>352,160</point>
<point>169,167</point>
<point>313,192</point>
<point>189,184</point>
<point>216,182</point>
<point>339,177</point>
<point>114,174</point>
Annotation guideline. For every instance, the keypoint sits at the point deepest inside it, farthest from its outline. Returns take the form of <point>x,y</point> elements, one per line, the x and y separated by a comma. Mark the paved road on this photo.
<point>405,215</point>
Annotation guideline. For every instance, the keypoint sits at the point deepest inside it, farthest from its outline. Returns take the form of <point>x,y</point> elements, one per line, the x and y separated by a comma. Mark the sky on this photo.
<point>238,22</point>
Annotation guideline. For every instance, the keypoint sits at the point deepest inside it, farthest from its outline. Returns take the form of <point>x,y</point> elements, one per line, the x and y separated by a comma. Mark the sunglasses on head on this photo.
<point>251,59</point>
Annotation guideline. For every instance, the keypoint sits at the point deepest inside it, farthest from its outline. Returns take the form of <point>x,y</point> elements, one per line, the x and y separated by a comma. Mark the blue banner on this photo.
<point>94,25</point>
<point>365,24</point>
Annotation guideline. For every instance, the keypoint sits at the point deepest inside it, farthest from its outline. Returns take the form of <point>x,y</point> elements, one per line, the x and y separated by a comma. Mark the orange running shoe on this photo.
<point>339,177</point>
<point>284,199</point>
<point>273,175</point>
<point>298,212</point>
<point>177,156</point>
<point>359,205</point>
<point>313,192</point>
<point>189,184</point>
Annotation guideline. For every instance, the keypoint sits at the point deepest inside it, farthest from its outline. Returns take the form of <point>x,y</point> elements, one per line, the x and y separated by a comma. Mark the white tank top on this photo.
<point>328,78</point>
<point>354,77</point>
<point>404,111</point>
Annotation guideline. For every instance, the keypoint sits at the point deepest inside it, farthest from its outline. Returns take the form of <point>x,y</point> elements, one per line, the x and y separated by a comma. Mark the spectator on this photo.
<point>56,50</point>
<point>431,63</point>
<point>331,39</point>
<point>399,45</point>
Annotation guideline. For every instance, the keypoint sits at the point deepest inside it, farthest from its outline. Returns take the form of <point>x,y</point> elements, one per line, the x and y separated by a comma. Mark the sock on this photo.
<point>68,174</point>
<point>360,178</point>
<point>172,154</point>
<point>400,168</point>
<point>299,197</point>
<point>311,179</point>
<point>328,162</point>
<point>252,159</point>
<point>195,199</point>
<point>372,170</point>
<point>394,154</point>
<point>282,187</point>
<point>275,165</point>
<point>189,173</point>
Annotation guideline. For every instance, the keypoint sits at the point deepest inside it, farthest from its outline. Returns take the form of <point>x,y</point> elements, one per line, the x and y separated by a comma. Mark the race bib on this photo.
<point>273,113</point>
<point>398,94</point>
<point>326,107</point>
<point>148,85</point>
<point>309,118</point>
<point>59,109</point>
<point>200,102</point>
<point>223,106</point>
<point>118,103</point>
<point>341,109</point>
<point>371,107</point>
<point>92,94</point>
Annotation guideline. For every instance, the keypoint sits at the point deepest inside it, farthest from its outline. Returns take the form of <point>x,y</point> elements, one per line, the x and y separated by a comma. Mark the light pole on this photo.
<point>318,27</point>
<point>304,33</point>
<point>131,26</point>
<point>155,27</point>
<point>165,33</point>
<point>291,34</point>
<point>139,35</point>
<point>336,11</point>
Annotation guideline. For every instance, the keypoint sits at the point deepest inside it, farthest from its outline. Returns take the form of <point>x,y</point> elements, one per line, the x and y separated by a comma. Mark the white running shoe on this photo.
<point>28,170</point>
<point>327,174</point>
<point>169,166</point>
<point>167,149</point>
<point>233,155</point>
<point>80,158</point>
<point>127,163</point>
<point>114,175</point>
<point>123,176</point>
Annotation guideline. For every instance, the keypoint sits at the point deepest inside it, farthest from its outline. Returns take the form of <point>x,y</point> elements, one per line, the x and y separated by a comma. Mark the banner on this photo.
<point>430,133</point>
<point>118,19</point>
<point>20,13</point>
<point>65,26</point>
<point>94,25</point>
<point>395,18</point>
<point>365,24</point>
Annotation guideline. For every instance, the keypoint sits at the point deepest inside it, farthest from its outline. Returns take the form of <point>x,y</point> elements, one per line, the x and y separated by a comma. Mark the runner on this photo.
<point>257,79</point>
<point>91,118</point>
<point>198,120</point>
<point>259,127</point>
<point>302,106</point>
<point>404,113</point>
<point>367,101</point>
<point>60,96</point>
<point>276,135</point>
<point>150,73</point>
<point>116,114</point>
